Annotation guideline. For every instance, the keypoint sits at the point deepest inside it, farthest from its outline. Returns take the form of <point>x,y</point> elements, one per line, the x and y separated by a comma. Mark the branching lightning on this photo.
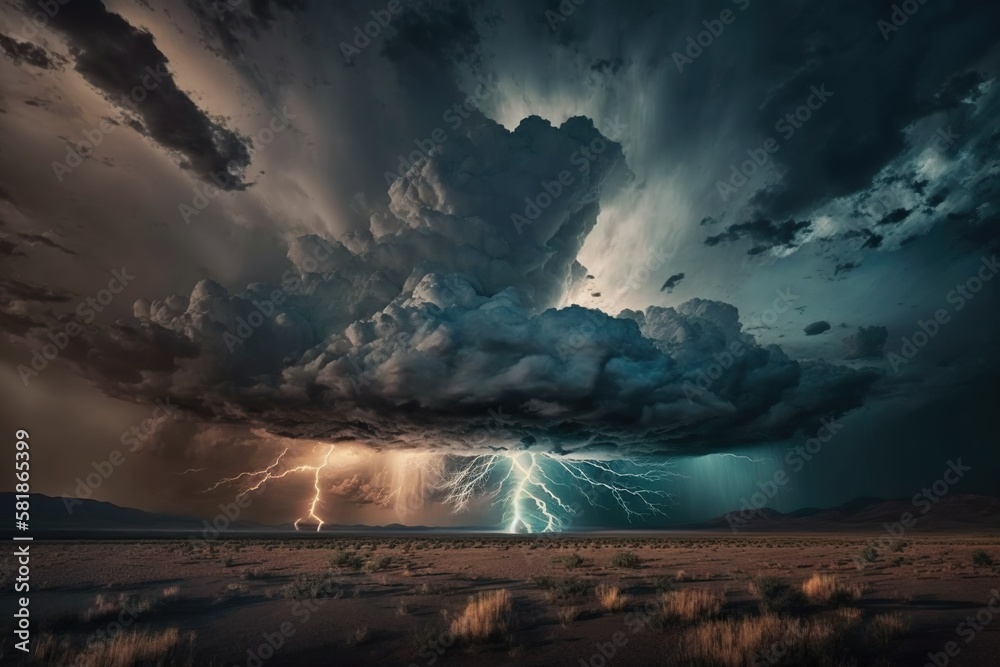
<point>533,487</point>
<point>537,491</point>
<point>253,480</point>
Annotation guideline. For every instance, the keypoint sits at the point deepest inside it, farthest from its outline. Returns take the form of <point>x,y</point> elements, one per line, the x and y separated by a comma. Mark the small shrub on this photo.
<point>775,596</point>
<point>227,561</point>
<point>981,559</point>
<point>629,559</point>
<point>869,554</point>
<point>359,636</point>
<point>572,561</point>
<point>824,589</point>
<point>310,587</point>
<point>346,559</point>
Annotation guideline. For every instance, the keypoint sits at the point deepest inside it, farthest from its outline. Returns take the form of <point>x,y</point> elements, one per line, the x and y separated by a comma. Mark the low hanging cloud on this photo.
<point>765,234</point>
<point>816,328</point>
<point>867,343</point>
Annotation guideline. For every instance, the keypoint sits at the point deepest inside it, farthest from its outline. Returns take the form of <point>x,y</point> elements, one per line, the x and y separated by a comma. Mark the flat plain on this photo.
<point>585,599</point>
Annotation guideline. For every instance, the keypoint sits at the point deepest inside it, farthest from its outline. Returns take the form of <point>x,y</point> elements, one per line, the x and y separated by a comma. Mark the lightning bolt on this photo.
<point>315,501</point>
<point>533,487</point>
<point>745,458</point>
<point>252,480</point>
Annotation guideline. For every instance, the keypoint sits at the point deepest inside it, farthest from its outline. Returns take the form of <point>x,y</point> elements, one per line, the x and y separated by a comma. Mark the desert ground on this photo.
<point>672,599</point>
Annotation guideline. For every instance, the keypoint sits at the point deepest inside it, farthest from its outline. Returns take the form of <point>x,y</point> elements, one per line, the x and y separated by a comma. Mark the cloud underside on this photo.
<point>437,328</point>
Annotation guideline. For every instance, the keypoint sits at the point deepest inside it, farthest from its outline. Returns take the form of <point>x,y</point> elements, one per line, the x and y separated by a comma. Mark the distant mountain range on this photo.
<point>953,512</point>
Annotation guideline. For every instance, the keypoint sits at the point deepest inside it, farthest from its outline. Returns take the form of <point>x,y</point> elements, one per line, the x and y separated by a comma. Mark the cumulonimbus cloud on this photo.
<point>437,327</point>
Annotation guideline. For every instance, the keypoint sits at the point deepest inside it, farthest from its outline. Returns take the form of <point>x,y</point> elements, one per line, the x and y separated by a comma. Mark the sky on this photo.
<point>532,265</point>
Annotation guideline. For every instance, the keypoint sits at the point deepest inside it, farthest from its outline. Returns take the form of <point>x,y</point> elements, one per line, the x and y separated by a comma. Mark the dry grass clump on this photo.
<point>884,629</point>
<point>127,649</point>
<point>567,615</point>
<point>690,605</point>
<point>767,639</point>
<point>108,608</point>
<point>487,616</point>
<point>611,597</point>
<point>824,589</point>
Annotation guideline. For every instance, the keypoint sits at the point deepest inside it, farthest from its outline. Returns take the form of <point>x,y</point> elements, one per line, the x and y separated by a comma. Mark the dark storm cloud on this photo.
<point>672,282</point>
<point>125,64</point>
<point>440,316</point>
<point>41,239</point>
<point>845,267</point>
<point>816,328</point>
<point>842,146</point>
<point>765,234</point>
<point>28,53</point>
<point>867,343</point>
<point>234,23</point>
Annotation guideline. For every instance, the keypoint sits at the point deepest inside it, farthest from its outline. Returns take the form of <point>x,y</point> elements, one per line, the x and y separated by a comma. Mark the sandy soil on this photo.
<point>235,594</point>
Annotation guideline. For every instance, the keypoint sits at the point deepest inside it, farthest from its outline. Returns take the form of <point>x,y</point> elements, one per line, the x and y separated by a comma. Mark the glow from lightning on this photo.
<point>742,457</point>
<point>534,487</point>
<point>253,480</point>
<point>536,491</point>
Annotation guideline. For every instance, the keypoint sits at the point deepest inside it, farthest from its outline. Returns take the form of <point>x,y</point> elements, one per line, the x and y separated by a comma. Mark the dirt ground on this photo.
<point>391,600</point>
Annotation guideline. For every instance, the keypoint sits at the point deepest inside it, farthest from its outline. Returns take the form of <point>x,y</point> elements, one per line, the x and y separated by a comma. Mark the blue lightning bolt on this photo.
<point>533,487</point>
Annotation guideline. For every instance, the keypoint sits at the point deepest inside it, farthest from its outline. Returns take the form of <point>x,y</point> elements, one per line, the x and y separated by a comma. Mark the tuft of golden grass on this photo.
<point>611,597</point>
<point>171,591</point>
<point>690,604</point>
<point>885,628</point>
<point>107,607</point>
<point>567,615</point>
<point>736,642</point>
<point>825,589</point>
<point>487,616</point>
<point>123,650</point>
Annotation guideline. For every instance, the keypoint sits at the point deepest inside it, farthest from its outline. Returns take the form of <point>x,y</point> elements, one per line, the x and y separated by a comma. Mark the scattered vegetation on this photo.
<point>310,587</point>
<point>127,649</point>
<point>572,561</point>
<point>769,639</point>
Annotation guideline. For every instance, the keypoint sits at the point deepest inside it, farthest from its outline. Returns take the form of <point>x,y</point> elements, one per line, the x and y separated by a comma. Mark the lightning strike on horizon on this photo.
<point>534,497</point>
<point>255,479</point>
